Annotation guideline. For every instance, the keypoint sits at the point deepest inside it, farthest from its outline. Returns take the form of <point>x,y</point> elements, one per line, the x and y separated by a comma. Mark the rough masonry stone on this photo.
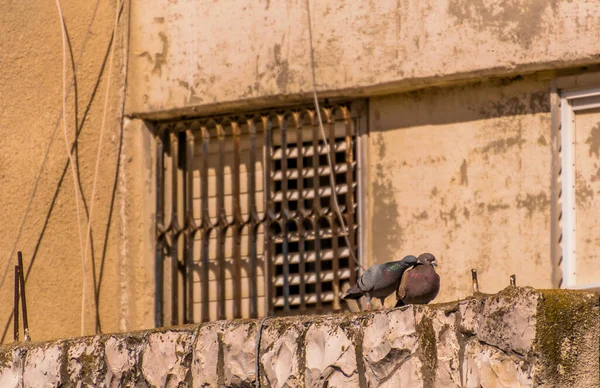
<point>519,337</point>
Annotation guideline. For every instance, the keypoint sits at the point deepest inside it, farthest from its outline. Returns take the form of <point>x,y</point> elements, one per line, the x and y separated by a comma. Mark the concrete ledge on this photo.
<point>519,337</point>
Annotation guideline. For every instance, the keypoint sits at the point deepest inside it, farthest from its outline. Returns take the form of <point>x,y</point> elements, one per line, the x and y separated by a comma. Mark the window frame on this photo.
<point>359,117</point>
<point>572,100</point>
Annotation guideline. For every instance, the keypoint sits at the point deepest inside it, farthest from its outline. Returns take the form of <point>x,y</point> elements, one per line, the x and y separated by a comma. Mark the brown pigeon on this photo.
<point>380,280</point>
<point>421,284</point>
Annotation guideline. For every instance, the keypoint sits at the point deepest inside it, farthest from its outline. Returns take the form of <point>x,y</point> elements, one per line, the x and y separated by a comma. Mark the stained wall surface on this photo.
<point>464,173</point>
<point>474,190</point>
<point>205,57</point>
<point>31,101</point>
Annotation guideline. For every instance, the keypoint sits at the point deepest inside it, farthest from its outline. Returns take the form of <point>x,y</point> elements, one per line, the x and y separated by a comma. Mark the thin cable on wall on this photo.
<point>46,154</point>
<point>327,145</point>
<point>72,162</point>
<point>102,126</point>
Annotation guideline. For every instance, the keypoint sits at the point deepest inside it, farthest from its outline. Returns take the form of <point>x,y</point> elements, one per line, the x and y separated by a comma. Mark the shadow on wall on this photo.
<point>97,275</point>
<point>463,169</point>
<point>452,105</point>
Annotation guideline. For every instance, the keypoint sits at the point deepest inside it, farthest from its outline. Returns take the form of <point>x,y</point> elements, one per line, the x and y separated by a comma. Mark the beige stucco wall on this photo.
<point>464,173</point>
<point>30,105</point>
<point>250,53</point>
<point>492,139</point>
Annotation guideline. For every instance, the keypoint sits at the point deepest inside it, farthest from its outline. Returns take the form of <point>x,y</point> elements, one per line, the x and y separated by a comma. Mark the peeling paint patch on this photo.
<point>283,72</point>
<point>526,18</point>
<point>431,160</point>
<point>583,192</point>
<point>523,103</point>
<point>448,216</point>
<point>534,203</point>
<point>596,176</point>
<point>160,58</point>
<point>594,141</point>
<point>494,207</point>
<point>464,179</point>
<point>502,145</point>
<point>421,216</point>
<point>542,141</point>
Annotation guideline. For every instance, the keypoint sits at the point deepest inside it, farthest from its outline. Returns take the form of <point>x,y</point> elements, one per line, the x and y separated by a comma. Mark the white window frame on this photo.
<point>572,102</point>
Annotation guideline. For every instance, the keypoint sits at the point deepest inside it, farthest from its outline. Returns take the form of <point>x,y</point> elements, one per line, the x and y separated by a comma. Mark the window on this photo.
<point>245,218</point>
<point>580,177</point>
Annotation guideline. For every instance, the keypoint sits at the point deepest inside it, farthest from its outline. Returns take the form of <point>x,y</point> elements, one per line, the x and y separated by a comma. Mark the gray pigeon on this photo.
<point>421,284</point>
<point>380,280</point>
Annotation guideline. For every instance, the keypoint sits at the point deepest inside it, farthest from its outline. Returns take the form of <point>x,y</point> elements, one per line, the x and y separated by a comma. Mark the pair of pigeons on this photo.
<point>414,280</point>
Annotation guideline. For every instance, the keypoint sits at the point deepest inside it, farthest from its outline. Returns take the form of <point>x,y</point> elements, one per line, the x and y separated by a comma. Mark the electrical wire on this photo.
<point>102,126</point>
<point>73,167</point>
<point>326,143</point>
<point>47,153</point>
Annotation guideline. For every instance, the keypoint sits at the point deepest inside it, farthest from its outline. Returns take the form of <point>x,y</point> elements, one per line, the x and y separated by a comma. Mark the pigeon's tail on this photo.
<point>353,293</point>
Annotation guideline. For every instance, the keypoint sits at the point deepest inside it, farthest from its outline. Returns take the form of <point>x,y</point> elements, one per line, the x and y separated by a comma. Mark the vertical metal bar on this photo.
<point>569,216</point>
<point>332,212</point>
<point>474,281</point>
<point>269,216</point>
<point>316,210</point>
<point>360,123</point>
<point>301,210</point>
<point>160,215</point>
<point>253,216</point>
<point>285,212</point>
<point>221,225</point>
<point>237,224</point>
<point>188,289</point>
<point>349,208</point>
<point>174,230</point>
<point>23,299</point>
<point>555,186</point>
<point>16,306</point>
<point>205,225</point>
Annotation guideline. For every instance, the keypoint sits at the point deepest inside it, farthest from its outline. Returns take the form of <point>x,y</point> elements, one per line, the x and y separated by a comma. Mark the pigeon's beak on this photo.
<point>434,264</point>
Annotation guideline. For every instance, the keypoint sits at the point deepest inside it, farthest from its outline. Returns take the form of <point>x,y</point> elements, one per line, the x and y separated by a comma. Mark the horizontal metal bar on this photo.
<point>294,300</point>
<point>292,152</point>
<point>585,106</point>
<point>326,254</point>
<point>311,278</point>
<point>309,172</point>
<point>309,235</point>
<point>581,94</point>
<point>294,195</point>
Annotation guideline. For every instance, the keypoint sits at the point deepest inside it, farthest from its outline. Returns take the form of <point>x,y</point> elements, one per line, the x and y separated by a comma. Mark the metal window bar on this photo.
<point>244,218</point>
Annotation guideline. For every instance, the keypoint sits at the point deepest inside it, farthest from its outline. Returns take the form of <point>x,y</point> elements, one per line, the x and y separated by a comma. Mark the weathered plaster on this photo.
<point>31,105</point>
<point>459,172</point>
<point>196,59</point>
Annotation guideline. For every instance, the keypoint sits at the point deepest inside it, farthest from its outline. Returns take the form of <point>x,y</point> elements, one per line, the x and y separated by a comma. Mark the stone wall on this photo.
<point>519,337</point>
